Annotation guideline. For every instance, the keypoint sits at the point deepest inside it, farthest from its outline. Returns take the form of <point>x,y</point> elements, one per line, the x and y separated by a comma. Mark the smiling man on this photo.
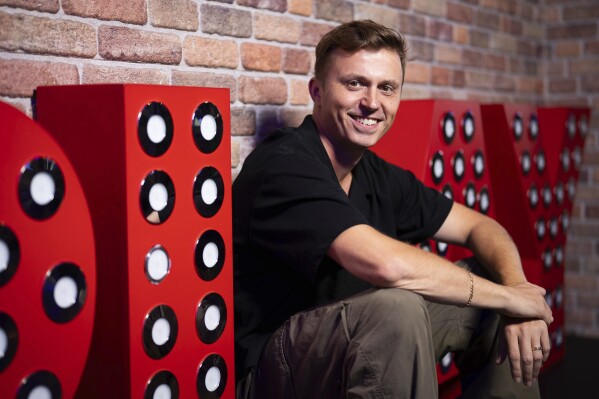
<point>331,298</point>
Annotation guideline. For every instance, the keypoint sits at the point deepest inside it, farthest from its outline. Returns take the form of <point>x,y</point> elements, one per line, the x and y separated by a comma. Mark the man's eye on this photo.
<point>353,83</point>
<point>387,89</point>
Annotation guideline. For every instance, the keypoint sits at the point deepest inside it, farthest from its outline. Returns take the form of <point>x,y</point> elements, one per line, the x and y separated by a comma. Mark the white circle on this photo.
<point>484,202</point>
<point>559,256</point>
<point>534,128</point>
<point>4,256</point>
<point>442,246</point>
<point>208,127</point>
<point>161,331</point>
<point>547,195</point>
<point>158,197</point>
<point>470,198</point>
<point>565,160</point>
<point>210,254</point>
<point>526,163</point>
<point>541,229</point>
<point>518,127</point>
<point>459,166</point>
<point>449,128</point>
<point>469,127</point>
<point>158,264</point>
<point>42,188</point>
<point>65,292</point>
<point>212,317</point>
<point>541,162</point>
<point>40,392</point>
<point>209,191</point>
<point>156,129</point>
<point>553,227</point>
<point>446,360</point>
<point>549,299</point>
<point>571,125</point>
<point>565,221</point>
<point>163,391</point>
<point>577,157</point>
<point>438,168</point>
<point>534,197</point>
<point>479,165</point>
<point>212,380</point>
<point>3,343</point>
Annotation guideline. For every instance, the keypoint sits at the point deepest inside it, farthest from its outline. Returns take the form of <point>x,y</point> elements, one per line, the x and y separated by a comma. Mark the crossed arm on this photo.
<point>386,262</point>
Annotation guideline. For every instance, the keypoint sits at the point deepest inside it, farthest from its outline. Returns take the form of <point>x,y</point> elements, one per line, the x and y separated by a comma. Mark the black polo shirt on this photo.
<point>288,207</point>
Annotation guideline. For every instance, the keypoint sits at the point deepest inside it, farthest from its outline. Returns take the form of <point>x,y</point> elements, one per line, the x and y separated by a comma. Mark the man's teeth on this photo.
<point>366,121</point>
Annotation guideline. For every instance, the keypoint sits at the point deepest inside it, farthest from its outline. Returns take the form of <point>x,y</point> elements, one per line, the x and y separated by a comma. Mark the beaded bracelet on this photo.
<point>471,290</point>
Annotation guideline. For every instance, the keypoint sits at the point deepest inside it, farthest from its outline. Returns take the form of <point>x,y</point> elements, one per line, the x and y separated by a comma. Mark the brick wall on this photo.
<point>538,51</point>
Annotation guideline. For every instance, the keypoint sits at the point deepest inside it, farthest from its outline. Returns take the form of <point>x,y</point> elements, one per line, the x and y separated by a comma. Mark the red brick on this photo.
<point>440,30</point>
<point>479,38</point>
<point>461,34</point>
<point>473,58</point>
<point>480,80</point>
<point>300,7</point>
<point>448,54</point>
<point>204,79</point>
<point>528,48</point>
<point>568,49</point>
<point>440,76</point>
<point>226,21</point>
<point>277,28</point>
<point>530,85</point>
<point>562,86</point>
<point>591,47</point>
<point>297,61</point>
<point>417,72</point>
<point>572,31</point>
<point>494,61</point>
<point>549,14</point>
<point>18,78</point>
<point>36,5</point>
<point>40,35</point>
<point>213,53</point>
<point>507,6</point>
<point>460,12</point>
<point>176,14</point>
<point>96,74</point>
<point>405,4</point>
<point>412,24</point>
<point>335,10</point>
<point>133,11</point>
<point>275,5</point>
<point>299,92</point>
<point>243,121</point>
<point>421,50</point>
<point>590,84</point>
<point>587,66</point>
<point>487,19</point>
<point>260,57</point>
<point>126,44</point>
<point>262,90</point>
<point>504,82</point>
<point>511,25</point>
<point>431,7</point>
<point>383,15</point>
<point>312,32</point>
<point>579,12</point>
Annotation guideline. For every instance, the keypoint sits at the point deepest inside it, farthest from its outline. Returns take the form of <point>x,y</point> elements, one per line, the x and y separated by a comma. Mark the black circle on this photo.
<point>203,208</point>
<point>559,192</point>
<point>8,325</point>
<point>478,159</point>
<point>448,120</point>
<point>470,195</point>
<point>468,120</point>
<point>206,272</point>
<point>533,196</point>
<point>206,335</point>
<point>547,195</point>
<point>559,256</point>
<point>28,172</point>
<point>163,377</point>
<point>14,254</point>
<point>571,125</point>
<point>40,378</point>
<point>441,248</point>
<point>445,363</point>
<point>540,161</point>
<point>152,349</point>
<point>518,126</point>
<point>204,145</point>
<point>425,246</point>
<point>484,200</point>
<point>565,159</point>
<point>150,214</point>
<point>547,257</point>
<point>212,360</point>
<point>540,228</point>
<point>55,312</point>
<point>459,159</point>
<point>533,127</point>
<point>437,160</point>
<point>559,296</point>
<point>553,227</point>
<point>149,110</point>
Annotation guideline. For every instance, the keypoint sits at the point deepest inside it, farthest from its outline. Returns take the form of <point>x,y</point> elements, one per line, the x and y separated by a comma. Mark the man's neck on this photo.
<point>343,161</point>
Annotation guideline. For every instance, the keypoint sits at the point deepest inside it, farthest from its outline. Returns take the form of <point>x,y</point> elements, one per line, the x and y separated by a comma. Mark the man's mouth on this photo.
<point>365,121</point>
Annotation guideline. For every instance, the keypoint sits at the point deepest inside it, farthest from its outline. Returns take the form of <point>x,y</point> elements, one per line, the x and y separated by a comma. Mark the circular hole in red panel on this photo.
<point>540,161</point>
<point>565,219</point>
<point>9,340</point>
<point>478,164</point>
<point>583,126</point>
<point>517,126</point>
<point>209,257</point>
<point>441,248</point>
<point>426,246</point>
<point>211,318</point>
<point>565,159</point>
<point>468,126</point>
<point>208,191</point>
<point>447,191</point>
<point>484,200</point>
<point>549,298</point>
<point>445,363</point>
<point>41,188</point>
<point>553,227</point>
<point>577,157</point>
<point>157,264</point>
<point>533,196</point>
<point>559,192</point>
<point>571,125</point>
<point>533,127</point>
<point>162,385</point>
<point>211,380</point>
<point>547,195</point>
<point>470,196</point>
<point>459,166</point>
<point>540,228</point>
<point>64,292</point>
<point>207,127</point>
<point>559,297</point>
<point>525,162</point>
<point>571,188</point>
<point>155,129</point>
<point>448,128</point>
<point>10,254</point>
<point>160,330</point>
<point>547,257</point>
<point>157,197</point>
<point>559,256</point>
<point>41,384</point>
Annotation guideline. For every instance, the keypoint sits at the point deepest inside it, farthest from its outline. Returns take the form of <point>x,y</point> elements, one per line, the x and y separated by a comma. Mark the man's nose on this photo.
<point>370,100</point>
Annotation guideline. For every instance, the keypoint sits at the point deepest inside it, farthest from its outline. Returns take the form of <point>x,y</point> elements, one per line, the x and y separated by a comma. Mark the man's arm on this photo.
<point>386,262</point>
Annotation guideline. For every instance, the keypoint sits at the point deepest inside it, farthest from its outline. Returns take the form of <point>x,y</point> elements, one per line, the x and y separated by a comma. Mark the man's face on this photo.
<point>357,100</point>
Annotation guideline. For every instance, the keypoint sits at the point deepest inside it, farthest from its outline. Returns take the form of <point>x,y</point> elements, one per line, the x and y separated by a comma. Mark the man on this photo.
<point>332,300</point>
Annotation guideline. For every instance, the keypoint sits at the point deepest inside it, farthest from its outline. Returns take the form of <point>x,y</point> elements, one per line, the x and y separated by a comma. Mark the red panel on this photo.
<point>98,127</point>
<point>54,253</point>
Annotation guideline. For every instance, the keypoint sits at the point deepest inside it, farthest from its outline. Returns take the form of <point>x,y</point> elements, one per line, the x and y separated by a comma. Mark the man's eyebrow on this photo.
<point>391,82</point>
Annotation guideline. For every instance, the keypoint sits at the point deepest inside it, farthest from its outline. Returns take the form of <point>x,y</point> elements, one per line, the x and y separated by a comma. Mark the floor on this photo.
<point>577,376</point>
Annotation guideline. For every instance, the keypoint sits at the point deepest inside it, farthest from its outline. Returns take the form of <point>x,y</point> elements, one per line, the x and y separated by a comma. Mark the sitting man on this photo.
<point>332,300</point>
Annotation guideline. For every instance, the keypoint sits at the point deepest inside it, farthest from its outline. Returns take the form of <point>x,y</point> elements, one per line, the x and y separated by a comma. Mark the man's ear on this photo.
<point>315,90</point>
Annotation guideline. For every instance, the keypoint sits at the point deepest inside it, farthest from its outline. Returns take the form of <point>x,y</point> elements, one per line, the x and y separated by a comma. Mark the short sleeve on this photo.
<point>299,211</point>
